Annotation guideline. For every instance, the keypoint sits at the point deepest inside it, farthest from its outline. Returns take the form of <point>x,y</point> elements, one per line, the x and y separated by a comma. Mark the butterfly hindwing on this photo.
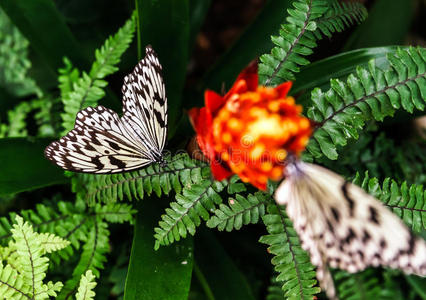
<point>99,143</point>
<point>102,142</point>
<point>344,227</point>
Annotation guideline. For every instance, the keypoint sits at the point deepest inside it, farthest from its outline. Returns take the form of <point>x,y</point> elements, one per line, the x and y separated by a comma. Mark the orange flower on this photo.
<point>251,130</point>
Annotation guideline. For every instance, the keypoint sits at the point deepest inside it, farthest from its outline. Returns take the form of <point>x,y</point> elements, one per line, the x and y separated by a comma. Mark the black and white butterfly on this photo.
<point>103,142</point>
<point>342,226</point>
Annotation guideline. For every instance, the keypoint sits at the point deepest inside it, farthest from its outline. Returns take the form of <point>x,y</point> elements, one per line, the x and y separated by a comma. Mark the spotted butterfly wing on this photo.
<point>342,226</point>
<point>102,142</point>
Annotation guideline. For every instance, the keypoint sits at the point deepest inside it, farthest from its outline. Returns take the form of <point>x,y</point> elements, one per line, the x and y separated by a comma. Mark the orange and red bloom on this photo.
<point>250,130</point>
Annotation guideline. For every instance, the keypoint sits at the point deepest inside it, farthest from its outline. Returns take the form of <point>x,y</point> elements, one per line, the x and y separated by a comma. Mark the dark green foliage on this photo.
<point>363,285</point>
<point>369,94</point>
<point>92,256</point>
<point>14,48</point>
<point>290,260</point>
<point>239,211</point>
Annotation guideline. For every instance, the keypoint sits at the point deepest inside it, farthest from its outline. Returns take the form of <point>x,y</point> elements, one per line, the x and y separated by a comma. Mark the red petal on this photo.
<point>213,101</point>
<point>218,171</point>
<point>249,74</point>
<point>193,116</point>
<point>283,89</point>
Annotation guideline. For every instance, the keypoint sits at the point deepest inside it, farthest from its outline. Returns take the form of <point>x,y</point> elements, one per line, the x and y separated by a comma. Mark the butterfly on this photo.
<point>103,142</point>
<point>342,226</point>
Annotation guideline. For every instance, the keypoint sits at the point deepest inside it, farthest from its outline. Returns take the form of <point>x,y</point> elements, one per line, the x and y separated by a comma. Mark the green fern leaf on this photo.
<point>239,211</point>
<point>29,260</point>
<point>180,171</point>
<point>92,257</point>
<point>362,285</point>
<point>275,291</point>
<point>14,60</point>
<point>49,289</point>
<point>88,89</point>
<point>408,202</point>
<point>115,213</point>
<point>32,264</point>
<point>12,285</point>
<point>52,243</point>
<point>295,41</point>
<point>290,260</point>
<point>184,215</point>
<point>87,284</point>
<point>68,76</point>
<point>368,94</point>
<point>339,16</point>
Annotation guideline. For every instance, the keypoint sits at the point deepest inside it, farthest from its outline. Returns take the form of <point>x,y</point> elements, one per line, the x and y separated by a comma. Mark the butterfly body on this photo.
<point>342,226</point>
<point>102,142</point>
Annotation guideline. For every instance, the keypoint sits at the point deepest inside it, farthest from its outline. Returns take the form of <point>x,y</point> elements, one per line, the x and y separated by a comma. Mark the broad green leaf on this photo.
<point>23,166</point>
<point>387,24</point>
<point>165,25</point>
<point>319,73</point>
<point>164,274</point>
<point>197,13</point>
<point>222,276</point>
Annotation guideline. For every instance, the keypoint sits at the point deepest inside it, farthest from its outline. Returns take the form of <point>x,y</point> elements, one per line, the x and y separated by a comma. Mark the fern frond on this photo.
<point>239,211</point>
<point>51,242</point>
<point>115,213</point>
<point>12,285</point>
<point>408,202</point>
<point>92,257</point>
<point>89,87</point>
<point>184,215</point>
<point>17,124</point>
<point>49,289</point>
<point>14,60</point>
<point>368,94</point>
<point>32,264</point>
<point>68,221</point>
<point>275,291</point>
<point>68,76</point>
<point>339,16</point>
<point>85,289</point>
<point>180,171</point>
<point>362,285</point>
<point>235,185</point>
<point>290,260</point>
<point>295,40</point>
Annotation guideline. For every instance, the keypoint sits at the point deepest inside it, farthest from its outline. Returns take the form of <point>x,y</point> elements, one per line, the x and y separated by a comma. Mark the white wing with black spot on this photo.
<point>102,142</point>
<point>342,226</point>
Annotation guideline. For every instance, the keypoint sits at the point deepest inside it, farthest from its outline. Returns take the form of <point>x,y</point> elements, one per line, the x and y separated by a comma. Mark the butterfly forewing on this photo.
<point>344,227</point>
<point>148,118</point>
<point>102,142</point>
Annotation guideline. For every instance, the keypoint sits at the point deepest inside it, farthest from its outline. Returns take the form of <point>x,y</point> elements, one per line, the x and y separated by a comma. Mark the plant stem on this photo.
<point>138,30</point>
<point>203,282</point>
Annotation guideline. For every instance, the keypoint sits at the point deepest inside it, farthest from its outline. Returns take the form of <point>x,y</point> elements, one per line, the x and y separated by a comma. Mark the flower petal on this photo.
<point>213,101</point>
<point>283,89</point>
